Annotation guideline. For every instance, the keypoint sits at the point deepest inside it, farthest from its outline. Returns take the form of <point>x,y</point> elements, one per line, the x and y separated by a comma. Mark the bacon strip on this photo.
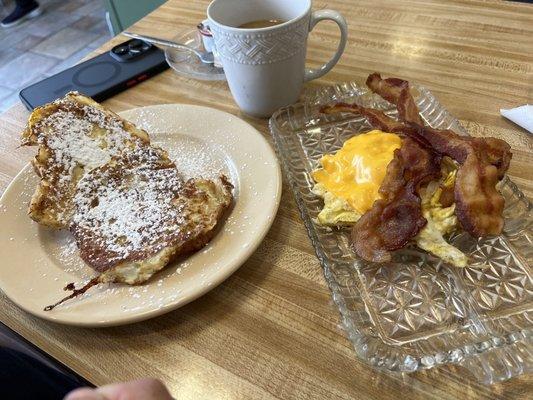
<point>397,92</point>
<point>396,218</point>
<point>496,151</point>
<point>479,206</point>
<point>378,119</point>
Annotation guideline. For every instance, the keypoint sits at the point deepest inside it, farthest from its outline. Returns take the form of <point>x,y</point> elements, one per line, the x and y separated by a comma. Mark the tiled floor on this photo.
<point>50,43</point>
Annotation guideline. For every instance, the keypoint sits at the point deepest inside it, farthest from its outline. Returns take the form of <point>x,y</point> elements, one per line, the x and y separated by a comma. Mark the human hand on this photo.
<point>143,389</point>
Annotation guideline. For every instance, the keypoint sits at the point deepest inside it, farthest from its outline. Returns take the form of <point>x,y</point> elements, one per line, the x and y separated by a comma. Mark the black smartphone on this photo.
<point>101,77</point>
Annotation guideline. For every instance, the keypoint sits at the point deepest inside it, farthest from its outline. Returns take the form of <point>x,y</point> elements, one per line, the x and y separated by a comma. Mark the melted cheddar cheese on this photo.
<point>356,171</point>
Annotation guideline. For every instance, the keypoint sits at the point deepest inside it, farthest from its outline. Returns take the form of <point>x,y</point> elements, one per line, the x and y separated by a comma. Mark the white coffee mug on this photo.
<point>265,67</point>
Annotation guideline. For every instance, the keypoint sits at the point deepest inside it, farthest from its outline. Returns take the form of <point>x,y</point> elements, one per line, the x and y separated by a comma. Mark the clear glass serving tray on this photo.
<point>415,312</point>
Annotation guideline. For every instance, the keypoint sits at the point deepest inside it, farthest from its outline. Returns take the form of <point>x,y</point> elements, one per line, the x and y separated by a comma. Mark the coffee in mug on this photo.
<point>261,23</point>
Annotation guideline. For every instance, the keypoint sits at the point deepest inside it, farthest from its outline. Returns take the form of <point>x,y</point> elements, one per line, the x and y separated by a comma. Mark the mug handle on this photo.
<point>335,16</point>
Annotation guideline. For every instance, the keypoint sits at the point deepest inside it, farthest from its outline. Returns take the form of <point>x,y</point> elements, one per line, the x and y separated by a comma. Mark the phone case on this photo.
<point>100,77</point>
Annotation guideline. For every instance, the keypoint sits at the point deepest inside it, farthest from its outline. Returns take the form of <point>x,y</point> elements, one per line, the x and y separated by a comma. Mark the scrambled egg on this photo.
<point>441,221</point>
<point>336,210</point>
<point>349,180</point>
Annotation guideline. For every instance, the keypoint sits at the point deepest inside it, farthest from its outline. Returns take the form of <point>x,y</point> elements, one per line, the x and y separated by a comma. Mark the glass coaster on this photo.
<point>185,63</point>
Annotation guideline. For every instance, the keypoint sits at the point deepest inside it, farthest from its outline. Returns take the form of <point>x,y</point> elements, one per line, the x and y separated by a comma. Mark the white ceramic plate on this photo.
<point>37,262</point>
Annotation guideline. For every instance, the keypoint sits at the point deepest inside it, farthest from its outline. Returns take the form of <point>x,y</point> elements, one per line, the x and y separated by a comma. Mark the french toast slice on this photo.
<point>74,134</point>
<point>135,214</point>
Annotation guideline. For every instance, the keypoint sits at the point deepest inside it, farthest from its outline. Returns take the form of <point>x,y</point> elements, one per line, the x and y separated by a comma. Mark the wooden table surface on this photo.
<point>271,330</point>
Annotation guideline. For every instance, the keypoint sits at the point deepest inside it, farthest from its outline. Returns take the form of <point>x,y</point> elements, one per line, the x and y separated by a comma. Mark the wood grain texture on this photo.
<point>271,330</point>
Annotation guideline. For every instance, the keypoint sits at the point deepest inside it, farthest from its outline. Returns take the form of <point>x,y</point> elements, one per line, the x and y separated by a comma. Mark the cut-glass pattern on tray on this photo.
<point>415,312</point>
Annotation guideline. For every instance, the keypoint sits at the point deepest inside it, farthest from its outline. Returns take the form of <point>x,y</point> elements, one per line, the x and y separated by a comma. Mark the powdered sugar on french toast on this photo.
<point>72,145</point>
<point>74,138</point>
<point>128,205</point>
<point>77,138</point>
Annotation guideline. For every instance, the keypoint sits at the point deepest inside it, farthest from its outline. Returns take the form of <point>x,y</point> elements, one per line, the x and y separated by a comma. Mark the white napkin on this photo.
<point>522,116</point>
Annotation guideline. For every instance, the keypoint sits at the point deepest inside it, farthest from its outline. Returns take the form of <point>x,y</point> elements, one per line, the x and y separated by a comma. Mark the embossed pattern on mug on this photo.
<point>263,47</point>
